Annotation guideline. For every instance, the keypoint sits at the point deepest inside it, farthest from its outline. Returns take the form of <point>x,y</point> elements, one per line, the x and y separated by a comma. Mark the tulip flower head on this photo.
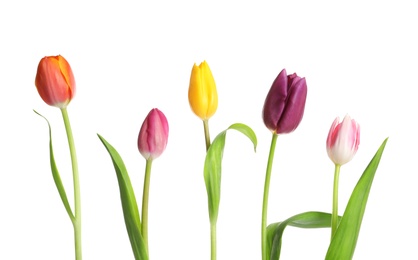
<point>55,81</point>
<point>285,103</point>
<point>343,140</point>
<point>153,136</point>
<point>203,97</point>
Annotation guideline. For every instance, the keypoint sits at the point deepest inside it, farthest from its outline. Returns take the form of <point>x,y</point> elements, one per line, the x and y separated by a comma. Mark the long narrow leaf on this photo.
<point>213,166</point>
<point>344,241</point>
<point>311,219</point>
<point>56,175</point>
<point>129,205</point>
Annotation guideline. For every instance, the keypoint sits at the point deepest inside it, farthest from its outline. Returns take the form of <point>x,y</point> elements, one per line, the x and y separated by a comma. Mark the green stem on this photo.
<point>213,240</point>
<point>145,199</point>
<point>76,182</point>
<point>334,217</point>
<point>207,136</point>
<point>266,198</point>
<point>212,222</point>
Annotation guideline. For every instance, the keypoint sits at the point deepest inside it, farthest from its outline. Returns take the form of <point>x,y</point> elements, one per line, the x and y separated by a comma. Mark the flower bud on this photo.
<point>55,81</point>
<point>203,97</point>
<point>285,103</point>
<point>343,140</point>
<point>153,136</point>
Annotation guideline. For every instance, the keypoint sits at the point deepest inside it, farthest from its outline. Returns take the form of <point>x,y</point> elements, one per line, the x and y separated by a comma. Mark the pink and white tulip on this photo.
<point>343,140</point>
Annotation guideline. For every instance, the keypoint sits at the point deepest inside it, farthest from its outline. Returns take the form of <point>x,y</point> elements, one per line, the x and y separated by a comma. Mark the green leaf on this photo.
<point>246,131</point>
<point>344,241</point>
<point>311,219</point>
<point>213,167</point>
<point>129,205</point>
<point>56,175</point>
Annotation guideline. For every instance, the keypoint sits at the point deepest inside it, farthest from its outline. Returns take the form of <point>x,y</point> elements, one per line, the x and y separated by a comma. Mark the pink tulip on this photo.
<point>153,136</point>
<point>343,140</point>
<point>55,81</point>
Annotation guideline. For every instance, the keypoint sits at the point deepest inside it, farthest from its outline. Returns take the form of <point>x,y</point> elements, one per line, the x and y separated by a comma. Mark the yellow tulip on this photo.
<point>203,97</point>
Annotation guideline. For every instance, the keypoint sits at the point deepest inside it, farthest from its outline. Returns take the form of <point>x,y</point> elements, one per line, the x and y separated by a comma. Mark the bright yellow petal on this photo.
<point>195,92</point>
<point>211,95</point>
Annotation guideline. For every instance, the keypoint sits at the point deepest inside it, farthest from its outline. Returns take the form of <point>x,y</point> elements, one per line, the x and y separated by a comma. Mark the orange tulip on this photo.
<point>55,81</point>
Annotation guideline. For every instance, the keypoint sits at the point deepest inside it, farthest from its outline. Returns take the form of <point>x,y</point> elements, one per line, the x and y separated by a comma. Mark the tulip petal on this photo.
<point>275,101</point>
<point>196,100</point>
<point>294,107</point>
<point>68,76</point>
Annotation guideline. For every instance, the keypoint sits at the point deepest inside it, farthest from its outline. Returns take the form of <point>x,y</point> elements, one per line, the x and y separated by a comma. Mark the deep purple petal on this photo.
<point>275,101</point>
<point>294,106</point>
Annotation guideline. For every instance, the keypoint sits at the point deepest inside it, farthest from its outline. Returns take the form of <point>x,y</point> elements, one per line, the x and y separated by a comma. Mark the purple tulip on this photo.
<point>153,136</point>
<point>285,103</point>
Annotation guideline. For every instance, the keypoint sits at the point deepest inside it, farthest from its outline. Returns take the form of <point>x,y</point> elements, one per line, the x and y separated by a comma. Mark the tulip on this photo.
<point>203,97</point>
<point>55,81</point>
<point>285,103</point>
<point>342,144</point>
<point>152,141</point>
<point>282,112</point>
<point>56,85</point>
<point>153,136</point>
<point>343,140</point>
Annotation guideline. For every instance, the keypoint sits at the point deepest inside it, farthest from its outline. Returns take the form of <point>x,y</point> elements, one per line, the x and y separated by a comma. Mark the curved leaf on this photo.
<point>310,219</point>
<point>246,131</point>
<point>129,205</point>
<point>213,167</point>
<point>344,241</point>
<point>56,175</point>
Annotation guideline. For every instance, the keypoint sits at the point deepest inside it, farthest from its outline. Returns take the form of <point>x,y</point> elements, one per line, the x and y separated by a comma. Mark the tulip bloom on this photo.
<point>203,97</point>
<point>55,81</point>
<point>343,140</point>
<point>285,103</point>
<point>153,136</point>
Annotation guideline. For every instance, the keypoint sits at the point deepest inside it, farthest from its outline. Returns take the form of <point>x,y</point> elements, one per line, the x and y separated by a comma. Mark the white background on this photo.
<point>358,57</point>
